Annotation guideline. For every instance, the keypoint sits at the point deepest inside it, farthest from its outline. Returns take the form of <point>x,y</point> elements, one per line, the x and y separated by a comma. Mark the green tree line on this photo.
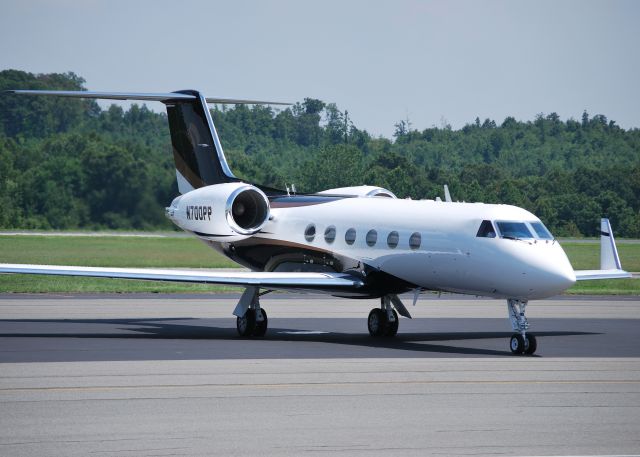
<point>68,163</point>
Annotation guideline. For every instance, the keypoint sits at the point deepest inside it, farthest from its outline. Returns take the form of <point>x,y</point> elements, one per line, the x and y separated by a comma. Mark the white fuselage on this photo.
<point>450,256</point>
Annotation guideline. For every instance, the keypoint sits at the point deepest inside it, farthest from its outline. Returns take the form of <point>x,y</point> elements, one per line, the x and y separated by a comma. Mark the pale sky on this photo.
<point>430,61</point>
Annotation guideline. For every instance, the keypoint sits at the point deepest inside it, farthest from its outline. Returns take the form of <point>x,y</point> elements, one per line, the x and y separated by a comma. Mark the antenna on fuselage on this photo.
<point>447,195</point>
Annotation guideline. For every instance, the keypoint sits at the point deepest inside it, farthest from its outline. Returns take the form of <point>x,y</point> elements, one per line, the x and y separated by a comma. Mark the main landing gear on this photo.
<point>383,321</point>
<point>251,319</point>
<point>521,343</point>
<point>254,322</point>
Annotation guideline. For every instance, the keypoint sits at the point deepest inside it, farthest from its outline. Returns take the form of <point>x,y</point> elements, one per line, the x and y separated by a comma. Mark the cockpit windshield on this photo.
<point>541,231</point>
<point>514,230</point>
<point>486,230</point>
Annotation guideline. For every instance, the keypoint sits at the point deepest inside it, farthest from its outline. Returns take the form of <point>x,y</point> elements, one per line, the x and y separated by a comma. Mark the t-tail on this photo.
<point>197,152</point>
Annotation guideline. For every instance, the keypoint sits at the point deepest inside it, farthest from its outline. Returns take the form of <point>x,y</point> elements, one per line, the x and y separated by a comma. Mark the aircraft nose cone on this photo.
<point>564,275</point>
<point>559,274</point>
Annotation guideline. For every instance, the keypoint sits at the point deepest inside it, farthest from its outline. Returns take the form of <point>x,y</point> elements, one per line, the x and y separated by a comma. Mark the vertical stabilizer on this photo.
<point>197,152</point>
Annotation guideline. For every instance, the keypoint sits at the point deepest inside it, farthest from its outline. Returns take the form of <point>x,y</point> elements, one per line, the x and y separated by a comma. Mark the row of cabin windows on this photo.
<point>415,240</point>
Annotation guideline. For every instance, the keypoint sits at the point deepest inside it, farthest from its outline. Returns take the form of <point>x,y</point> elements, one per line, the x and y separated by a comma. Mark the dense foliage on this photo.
<point>67,163</point>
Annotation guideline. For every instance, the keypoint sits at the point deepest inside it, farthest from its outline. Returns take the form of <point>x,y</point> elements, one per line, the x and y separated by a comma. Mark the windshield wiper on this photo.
<point>509,237</point>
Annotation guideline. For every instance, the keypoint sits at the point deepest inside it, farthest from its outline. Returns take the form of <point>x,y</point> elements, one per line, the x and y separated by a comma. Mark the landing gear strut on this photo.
<point>521,342</point>
<point>383,321</point>
<point>251,318</point>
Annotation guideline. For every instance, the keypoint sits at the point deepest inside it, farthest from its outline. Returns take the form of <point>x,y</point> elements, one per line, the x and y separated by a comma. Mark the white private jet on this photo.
<point>359,242</point>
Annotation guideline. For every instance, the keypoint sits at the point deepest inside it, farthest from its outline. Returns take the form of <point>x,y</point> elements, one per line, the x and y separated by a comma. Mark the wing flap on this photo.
<point>279,280</point>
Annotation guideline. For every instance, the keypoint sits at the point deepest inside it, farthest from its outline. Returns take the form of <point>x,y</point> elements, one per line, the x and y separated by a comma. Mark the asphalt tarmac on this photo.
<point>167,375</point>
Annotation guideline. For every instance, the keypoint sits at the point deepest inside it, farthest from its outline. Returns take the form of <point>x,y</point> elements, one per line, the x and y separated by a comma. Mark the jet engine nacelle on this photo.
<point>224,212</point>
<point>360,191</point>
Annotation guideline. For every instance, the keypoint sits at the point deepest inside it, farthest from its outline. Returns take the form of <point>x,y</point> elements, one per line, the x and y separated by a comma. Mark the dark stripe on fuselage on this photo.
<point>212,235</point>
<point>295,201</point>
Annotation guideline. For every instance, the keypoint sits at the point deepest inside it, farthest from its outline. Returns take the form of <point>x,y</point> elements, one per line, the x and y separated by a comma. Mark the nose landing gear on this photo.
<point>521,343</point>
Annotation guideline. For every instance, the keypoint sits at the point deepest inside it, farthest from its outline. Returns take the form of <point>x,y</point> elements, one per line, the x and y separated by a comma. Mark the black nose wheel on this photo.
<point>531,345</point>
<point>517,344</point>
<point>520,345</point>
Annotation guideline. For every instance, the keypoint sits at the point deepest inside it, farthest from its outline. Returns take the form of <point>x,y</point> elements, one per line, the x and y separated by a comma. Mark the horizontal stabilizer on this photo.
<point>197,152</point>
<point>610,266</point>
<point>158,97</point>
<point>584,275</point>
<point>284,280</point>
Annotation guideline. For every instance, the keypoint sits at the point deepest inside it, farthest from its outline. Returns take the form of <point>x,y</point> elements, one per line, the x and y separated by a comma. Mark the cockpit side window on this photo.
<point>486,230</point>
<point>541,231</point>
<point>514,230</point>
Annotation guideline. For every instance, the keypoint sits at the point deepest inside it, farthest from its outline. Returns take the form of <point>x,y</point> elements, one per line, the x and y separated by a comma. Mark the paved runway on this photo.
<point>108,375</point>
<point>58,329</point>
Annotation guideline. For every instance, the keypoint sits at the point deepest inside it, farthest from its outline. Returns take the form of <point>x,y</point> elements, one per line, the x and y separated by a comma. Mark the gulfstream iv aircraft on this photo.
<point>359,242</point>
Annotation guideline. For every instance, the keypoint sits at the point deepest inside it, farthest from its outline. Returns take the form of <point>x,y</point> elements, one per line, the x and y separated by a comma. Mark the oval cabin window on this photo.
<point>372,238</point>
<point>310,233</point>
<point>393,239</point>
<point>415,240</point>
<point>350,236</point>
<point>330,234</point>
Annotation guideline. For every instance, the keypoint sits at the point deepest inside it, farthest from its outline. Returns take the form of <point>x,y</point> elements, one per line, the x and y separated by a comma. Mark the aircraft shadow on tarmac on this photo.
<point>210,329</point>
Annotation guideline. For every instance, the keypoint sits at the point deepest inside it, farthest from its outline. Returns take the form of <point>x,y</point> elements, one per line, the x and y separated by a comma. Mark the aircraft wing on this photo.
<point>610,266</point>
<point>276,280</point>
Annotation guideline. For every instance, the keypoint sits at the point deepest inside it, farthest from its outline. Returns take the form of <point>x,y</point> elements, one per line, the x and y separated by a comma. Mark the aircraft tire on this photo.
<point>516,344</point>
<point>376,322</point>
<point>391,328</point>
<point>261,326</point>
<point>531,344</point>
<point>246,324</point>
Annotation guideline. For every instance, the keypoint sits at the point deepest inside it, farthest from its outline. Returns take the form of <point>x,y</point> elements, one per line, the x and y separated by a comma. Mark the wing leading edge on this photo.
<point>284,281</point>
<point>610,266</point>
